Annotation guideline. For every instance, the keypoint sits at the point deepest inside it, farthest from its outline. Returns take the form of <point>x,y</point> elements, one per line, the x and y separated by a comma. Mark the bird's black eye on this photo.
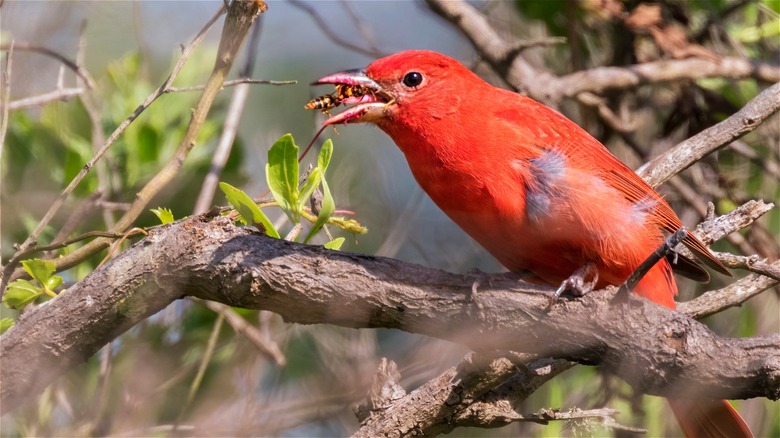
<point>412,79</point>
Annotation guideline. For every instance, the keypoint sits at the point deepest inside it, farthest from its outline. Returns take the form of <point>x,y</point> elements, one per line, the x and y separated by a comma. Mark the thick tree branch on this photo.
<point>654,349</point>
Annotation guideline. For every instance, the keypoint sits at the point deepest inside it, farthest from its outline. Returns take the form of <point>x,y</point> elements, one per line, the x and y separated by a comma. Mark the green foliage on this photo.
<point>281,172</point>
<point>23,292</point>
<point>328,205</point>
<point>164,214</point>
<point>20,293</point>
<point>249,212</point>
<point>335,243</point>
<point>5,324</point>
<point>282,175</point>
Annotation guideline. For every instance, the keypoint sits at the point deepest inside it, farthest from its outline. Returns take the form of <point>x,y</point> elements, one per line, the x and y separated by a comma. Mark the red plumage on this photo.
<point>532,187</point>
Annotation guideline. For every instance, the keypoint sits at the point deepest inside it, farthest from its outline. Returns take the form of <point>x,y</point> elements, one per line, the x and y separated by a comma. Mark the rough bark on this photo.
<point>654,349</point>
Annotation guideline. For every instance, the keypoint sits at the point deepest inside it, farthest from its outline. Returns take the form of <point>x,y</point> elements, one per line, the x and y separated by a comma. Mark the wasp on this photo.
<point>330,101</point>
<point>324,103</point>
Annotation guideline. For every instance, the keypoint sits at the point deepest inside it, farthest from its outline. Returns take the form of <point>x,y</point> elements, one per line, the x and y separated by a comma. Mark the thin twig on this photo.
<point>693,198</point>
<point>4,99</point>
<point>741,217</point>
<point>770,167</point>
<point>91,103</point>
<point>365,33</point>
<point>749,263</point>
<point>79,238</point>
<point>230,128</point>
<point>129,217</point>
<point>118,131</point>
<point>264,344</point>
<point>99,420</point>
<point>680,157</point>
<point>126,235</point>
<point>330,33</point>
<point>231,83</point>
<point>732,295</point>
<point>607,115</point>
<point>62,94</point>
<point>80,71</point>
<point>204,362</point>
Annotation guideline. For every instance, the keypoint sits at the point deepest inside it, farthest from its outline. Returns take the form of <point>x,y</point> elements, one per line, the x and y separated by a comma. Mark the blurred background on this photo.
<point>143,385</point>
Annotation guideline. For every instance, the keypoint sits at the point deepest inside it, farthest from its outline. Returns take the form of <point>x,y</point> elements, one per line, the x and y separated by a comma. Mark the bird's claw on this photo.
<point>578,284</point>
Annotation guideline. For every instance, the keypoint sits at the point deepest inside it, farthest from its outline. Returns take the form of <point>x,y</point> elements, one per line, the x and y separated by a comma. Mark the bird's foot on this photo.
<point>578,284</point>
<point>480,278</point>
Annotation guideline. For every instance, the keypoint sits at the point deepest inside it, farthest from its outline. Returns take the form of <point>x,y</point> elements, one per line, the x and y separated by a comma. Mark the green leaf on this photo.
<point>164,214</point>
<point>335,243</point>
<point>40,270</point>
<point>326,211</point>
<point>323,159</point>
<point>5,324</point>
<point>20,293</point>
<point>311,183</point>
<point>281,172</point>
<point>248,210</point>
<point>54,282</point>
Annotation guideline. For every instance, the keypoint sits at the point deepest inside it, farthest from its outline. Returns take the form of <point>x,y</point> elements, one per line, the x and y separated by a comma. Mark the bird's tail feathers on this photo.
<point>709,418</point>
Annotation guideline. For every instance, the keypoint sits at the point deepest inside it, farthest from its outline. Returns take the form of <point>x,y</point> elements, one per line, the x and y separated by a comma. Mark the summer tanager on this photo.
<point>532,187</point>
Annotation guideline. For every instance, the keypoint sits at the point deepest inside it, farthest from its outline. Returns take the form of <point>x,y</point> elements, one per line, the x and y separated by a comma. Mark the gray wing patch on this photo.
<point>546,172</point>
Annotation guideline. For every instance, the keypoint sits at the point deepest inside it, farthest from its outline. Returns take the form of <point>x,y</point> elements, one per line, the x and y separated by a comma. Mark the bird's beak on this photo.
<point>352,87</point>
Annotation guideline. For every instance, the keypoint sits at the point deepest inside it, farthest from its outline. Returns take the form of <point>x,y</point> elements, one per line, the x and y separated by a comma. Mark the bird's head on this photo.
<point>406,86</point>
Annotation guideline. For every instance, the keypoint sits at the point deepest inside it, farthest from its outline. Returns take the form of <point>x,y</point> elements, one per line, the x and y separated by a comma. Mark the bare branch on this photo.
<point>713,138</point>
<point>741,217</point>
<point>610,78</point>
<point>43,99</point>
<point>732,295</point>
<point>57,204</point>
<point>550,89</point>
<point>656,350</point>
<point>231,83</point>
<point>239,20</point>
<point>266,346</point>
<point>751,263</point>
<point>330,33</point>
<point>4,99</point>
<point>230,129</point>
<point>430,409</point>
<point>80,71</point>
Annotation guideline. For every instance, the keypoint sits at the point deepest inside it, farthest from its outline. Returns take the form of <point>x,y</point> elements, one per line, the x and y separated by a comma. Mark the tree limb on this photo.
<point>548,88</point>
<point>688,152</point>
<point>654,349</point>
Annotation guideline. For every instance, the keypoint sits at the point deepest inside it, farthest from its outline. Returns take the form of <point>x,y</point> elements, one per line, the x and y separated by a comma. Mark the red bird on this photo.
<point>532,187</point>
